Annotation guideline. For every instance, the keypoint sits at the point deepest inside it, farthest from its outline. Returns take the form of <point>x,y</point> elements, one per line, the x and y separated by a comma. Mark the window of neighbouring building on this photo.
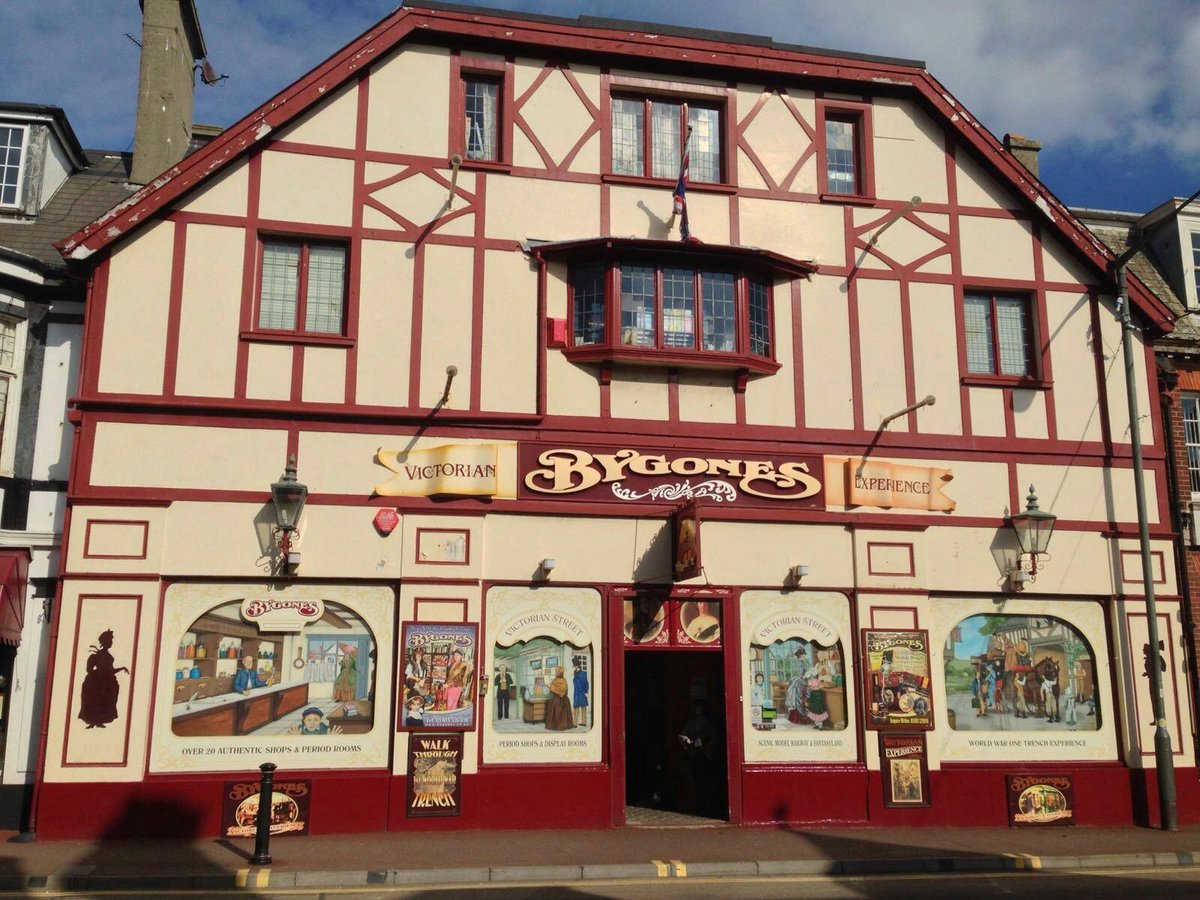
<point>1191,432</point>
<point>999,335</point>
<point>11,360</point>
<point>1196,269</point>
<point>648,135</point>
<point>12,151</point>
<point>845,159</point>
<point>302,287</point>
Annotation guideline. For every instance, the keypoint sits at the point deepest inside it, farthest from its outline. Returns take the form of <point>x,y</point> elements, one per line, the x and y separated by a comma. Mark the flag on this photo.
<point>685,233</point>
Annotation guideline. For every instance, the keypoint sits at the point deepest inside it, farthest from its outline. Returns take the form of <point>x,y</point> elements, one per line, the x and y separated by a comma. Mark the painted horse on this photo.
<point>1047,672</point>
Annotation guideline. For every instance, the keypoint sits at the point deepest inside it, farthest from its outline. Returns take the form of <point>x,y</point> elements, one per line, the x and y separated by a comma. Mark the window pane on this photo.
<point>719,330</point>
<point>3,407</point>
<point>841,175</point>
<point>1012,329</point>
<point>679,308</point>
<point>978,322</point>
<point>664,139</point>
<point>11,140</point>
<point>1196,264</point>
<point>483,108</point>
<point>627,130</point>
<point>706,144</point>
<point>589,305</point>
<point>280,285</point>
<point>1191,432</point>
<point>637,306</point>
<point>8,345</point>
<point>326,290</point>
<point>760,319</point>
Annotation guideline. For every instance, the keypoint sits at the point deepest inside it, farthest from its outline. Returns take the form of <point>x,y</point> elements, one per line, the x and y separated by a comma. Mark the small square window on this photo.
<point>998,335</point>
<point>12,147</point>
<point>302,288</point>
<point>481,118</point>
<point>655,151</point>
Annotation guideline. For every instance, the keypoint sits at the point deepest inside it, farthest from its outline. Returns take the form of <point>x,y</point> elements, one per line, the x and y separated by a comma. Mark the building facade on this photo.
<point>716,525</point>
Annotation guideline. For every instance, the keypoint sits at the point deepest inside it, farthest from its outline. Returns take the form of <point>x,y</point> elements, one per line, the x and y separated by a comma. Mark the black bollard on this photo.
<point>262,834</point>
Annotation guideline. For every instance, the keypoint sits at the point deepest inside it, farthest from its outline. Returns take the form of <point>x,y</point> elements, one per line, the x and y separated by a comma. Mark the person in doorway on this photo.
<point>247,677</point>
<point>504,685</point>
<point>699,739</point>
<point>558,707</point>
<point>579,682</point>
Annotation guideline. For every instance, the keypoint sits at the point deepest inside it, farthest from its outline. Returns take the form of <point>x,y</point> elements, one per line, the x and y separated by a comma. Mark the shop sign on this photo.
<point>434,764</point>
<point>898,680</point>
<point>289,808</point>
<point>282,615</point>
<point>855,481</point>
<point>463,470</point>
<point>685,544</point>
<point>1040,799</point>
<point>905,770</point>
<point>629,475</point>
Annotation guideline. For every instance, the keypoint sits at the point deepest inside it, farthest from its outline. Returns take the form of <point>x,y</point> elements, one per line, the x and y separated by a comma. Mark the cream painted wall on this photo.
<point>588,550</point>
<point>571,390</point>
<point>83,557</point>
<point>995,248</point>
<point>510,331</point>
<point>1088,493</point>
<point>975,188</point>
<point>327,189</point>
<point>521,208</point>
<point>324,375</point>
<point>1029,414</point>
<point>1076,407</point>
<point>987,411</point>
<point>237,534</point>
<point>134,349</point>
<point>645,212</point>
<point>417,80</point>
<point>332,123</point>
<point>1118,400</point>
<point>800,230</point>
<point>224,195</point>
<point>706,397</point>
<point>269,371</point>
<point>903,241</point>
<point>881,334</point>
<point>1060,265</point>
<point>187,457</point>
<point>639,394</point>
<point>910,153</point>
<point>446,323</point>
<point>210,311</point>
<point>775,136</point>
<point>419,198</point>
<point>384,324</point>
<point>935,356</point>
<point>557,117</point>
<point>771,399</point>
<point>825,355</point>
<point>762,553</point>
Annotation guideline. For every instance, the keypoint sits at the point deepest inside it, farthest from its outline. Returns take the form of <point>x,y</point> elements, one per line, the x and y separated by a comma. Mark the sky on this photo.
<point>1110,89</point>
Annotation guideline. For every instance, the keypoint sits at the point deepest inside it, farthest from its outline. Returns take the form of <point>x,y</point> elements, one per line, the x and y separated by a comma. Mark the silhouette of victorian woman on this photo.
<point>98,697</point>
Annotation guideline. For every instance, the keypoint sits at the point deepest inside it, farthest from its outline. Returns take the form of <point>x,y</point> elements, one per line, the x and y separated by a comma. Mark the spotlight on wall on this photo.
<point>546,566</point>
<point>798,573</point>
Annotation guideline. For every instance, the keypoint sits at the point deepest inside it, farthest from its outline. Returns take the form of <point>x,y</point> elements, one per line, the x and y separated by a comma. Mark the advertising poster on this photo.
<point>685,544</point>
<point>1040,799</point>
<point>439,676</point>
<point>905,770</point>
<point>434,763</point>
<point>289,808</point>
<point>897,680</point>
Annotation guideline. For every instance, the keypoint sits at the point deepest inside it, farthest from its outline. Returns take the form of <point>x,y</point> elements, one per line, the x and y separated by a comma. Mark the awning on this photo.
<point>14,575</point>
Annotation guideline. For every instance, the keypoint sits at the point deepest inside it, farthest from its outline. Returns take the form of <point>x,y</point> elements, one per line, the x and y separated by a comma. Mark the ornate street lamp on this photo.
<point>288,495</point>
<point>1033,529</point>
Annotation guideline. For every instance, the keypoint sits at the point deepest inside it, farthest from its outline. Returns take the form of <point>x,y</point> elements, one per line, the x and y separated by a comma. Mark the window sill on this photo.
<point>292,337</point>
<point>697,187</point>
<point>1001,381</point>
<point>673,359</point>
<point>485,165</point>
<point>848,199</point>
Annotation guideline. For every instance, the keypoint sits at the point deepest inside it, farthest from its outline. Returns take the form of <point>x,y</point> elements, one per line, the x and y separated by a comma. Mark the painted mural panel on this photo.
<point>291,675</point>
<point>544,663</point>
<point>798,691</point>
<point>439,675</point>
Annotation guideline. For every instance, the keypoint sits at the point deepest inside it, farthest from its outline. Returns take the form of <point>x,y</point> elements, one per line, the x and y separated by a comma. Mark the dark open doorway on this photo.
<point>675,757</point>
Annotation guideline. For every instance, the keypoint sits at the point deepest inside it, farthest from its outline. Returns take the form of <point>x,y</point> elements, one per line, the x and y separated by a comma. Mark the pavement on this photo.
<point>463,858</point>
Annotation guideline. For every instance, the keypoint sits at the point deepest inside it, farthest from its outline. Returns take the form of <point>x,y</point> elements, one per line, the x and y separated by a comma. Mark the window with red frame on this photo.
<point>481,117</point>
<point>302,287</point>
<point>999,334</point>
<point>648,133</point>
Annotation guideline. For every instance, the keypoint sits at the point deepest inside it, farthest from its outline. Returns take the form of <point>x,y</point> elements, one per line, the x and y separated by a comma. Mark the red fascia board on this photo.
<point>720,252</point>
<point>873,75</point>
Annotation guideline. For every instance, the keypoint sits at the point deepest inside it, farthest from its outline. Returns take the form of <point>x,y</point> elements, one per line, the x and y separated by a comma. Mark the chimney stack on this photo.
<point>1024,149</point>
<point>171,44</point>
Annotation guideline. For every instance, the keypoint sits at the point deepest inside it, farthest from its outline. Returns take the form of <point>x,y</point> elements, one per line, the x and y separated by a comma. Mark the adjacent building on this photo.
<point>631,487</point>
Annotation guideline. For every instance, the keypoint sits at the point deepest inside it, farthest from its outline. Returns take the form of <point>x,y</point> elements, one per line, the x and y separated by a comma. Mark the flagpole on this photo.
<point>680,197</point>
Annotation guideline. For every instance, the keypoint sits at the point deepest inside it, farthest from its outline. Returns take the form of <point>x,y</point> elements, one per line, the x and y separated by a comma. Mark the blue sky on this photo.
<point>1111,89</point>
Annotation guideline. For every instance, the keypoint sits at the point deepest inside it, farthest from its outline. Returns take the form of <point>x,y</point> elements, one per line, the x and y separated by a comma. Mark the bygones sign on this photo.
<point>628,475</point>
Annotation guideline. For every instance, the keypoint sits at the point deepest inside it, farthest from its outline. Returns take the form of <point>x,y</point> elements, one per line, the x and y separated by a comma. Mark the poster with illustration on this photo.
<point>434,764</point>
<point>797,684</point>
<point>898,680</point>
<point>1020,673</point>
<point>1040,799</point>
<point>289,808</point>
<point>685,542</point>
<point>439,676</point>
<point>541,685</point>
<point>645,619</point>
<point>274,667</point>
<point>905,770</point>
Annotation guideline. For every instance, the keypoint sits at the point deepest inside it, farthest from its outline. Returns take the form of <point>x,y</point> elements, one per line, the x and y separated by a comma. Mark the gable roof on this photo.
<point>610,39</point>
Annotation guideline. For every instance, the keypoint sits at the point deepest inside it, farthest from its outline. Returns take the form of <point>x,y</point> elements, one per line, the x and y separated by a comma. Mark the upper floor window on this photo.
<point>999,335</point>
<point>845,161</point>
<point>1196,268</point>
<point>302,287</point>
<point>11,364</point>
<point>648,135</point>
<point>481,102</point>
<point>12,147</point>
<point>1191,437</point>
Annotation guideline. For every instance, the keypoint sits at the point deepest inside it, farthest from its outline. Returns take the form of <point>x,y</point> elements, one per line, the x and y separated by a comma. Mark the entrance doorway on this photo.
<point>675,757</point>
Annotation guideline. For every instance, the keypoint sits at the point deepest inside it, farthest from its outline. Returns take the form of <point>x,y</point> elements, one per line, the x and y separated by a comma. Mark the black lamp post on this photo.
<point>1033,528</point>
<point>288,495</point>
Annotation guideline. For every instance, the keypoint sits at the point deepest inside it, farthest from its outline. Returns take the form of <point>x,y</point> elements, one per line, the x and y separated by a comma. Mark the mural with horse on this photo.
<point>1020,673</point>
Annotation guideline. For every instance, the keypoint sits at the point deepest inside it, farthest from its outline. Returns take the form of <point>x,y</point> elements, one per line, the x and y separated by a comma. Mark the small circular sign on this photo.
<point>386,521</point>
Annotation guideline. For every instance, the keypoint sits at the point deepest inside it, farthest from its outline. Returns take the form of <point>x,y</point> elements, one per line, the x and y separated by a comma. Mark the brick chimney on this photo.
<point>171,44</point>
<point>1024,149</point>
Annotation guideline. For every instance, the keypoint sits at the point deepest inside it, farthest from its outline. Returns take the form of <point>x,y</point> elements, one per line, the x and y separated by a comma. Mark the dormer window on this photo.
<point>12,157</point>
